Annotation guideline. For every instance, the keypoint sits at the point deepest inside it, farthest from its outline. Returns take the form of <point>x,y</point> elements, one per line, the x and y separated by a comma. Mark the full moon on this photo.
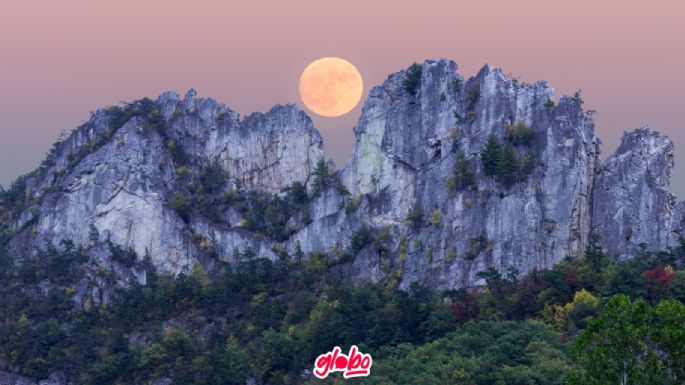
<point>331,86</point>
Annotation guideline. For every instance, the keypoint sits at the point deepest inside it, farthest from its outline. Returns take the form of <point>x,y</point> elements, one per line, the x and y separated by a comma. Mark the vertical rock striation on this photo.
<point>406,146</point>
<point>109,185</point>
<point>633,210</point>
<point>118,183</point>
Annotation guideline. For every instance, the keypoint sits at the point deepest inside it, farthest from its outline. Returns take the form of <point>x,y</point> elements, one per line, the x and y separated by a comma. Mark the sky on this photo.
<point>59,60</point>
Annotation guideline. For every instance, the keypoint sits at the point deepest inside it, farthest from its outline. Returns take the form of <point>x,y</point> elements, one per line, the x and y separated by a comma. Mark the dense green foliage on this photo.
<point>321,175</point>
<point>577,98</point>
<point>412,82</point>
<point>503,161</point>
<point>119,115</point>
<point>13,199</point>
<point>518,133</point>
<point>210,194</point>
<point>269,320</point>
<point>267,214</point>
<point>633,343</point>
<point>462,174</point>
<point>206,194</point>
<point>277,316</point>
<point>490,155</point>
<point>181,207</point>
<point>360,238</point>
<point>528,352</point>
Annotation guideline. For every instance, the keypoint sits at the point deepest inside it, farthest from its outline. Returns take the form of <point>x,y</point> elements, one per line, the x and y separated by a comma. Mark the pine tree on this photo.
<point>299,254</point>
<point>462,176</point>
<point>490,155</point>
<point>297,194</point>
<point>413,80</point>
<point>321,173</point>
<point>272,221</point>
<point>507,166</point>
<point>526,165</point>
<point>213,177</point>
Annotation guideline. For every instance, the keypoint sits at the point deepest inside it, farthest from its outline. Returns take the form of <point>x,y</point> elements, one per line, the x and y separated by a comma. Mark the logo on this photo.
<point>354,364</point>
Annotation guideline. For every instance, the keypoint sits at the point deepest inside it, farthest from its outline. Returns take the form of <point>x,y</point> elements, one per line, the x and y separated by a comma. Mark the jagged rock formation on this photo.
<point>633,208</point>
<point>405,151</point>
<point>106,185</point>
<point>120,190</point>
<point>266,151</point>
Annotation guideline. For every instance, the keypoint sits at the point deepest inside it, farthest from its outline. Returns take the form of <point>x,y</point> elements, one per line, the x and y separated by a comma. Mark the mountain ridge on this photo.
<point>392,213</point>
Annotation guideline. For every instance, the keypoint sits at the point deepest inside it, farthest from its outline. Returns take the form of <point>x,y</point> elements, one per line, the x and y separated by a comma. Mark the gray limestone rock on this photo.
<point>632,207</point>
<point>108,185</point>
<point>405,151</point>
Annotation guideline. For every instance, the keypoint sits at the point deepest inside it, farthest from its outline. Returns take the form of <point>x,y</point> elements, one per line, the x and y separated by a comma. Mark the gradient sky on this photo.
<point>59,60</point>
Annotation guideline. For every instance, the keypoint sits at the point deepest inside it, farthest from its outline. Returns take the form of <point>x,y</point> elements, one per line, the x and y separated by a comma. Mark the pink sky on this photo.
<point>59,60</point>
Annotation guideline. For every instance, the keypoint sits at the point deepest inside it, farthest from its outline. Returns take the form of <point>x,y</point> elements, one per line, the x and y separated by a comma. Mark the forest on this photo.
<point>591,320</point>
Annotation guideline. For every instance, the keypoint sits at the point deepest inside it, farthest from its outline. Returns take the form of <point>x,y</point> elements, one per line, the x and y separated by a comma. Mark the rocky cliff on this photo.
<point>420,199</point>
<point>633,209</point>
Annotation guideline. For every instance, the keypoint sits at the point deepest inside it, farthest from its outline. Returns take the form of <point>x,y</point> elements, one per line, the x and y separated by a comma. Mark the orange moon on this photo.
<point>331,86</point>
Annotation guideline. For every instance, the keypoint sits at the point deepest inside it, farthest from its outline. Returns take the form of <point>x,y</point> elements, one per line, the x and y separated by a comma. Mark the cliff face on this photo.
<point>405,187</point>
<point>265,151</point>
<point>119,190</point>
<point>405,154</point>
<point>633,208</point>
